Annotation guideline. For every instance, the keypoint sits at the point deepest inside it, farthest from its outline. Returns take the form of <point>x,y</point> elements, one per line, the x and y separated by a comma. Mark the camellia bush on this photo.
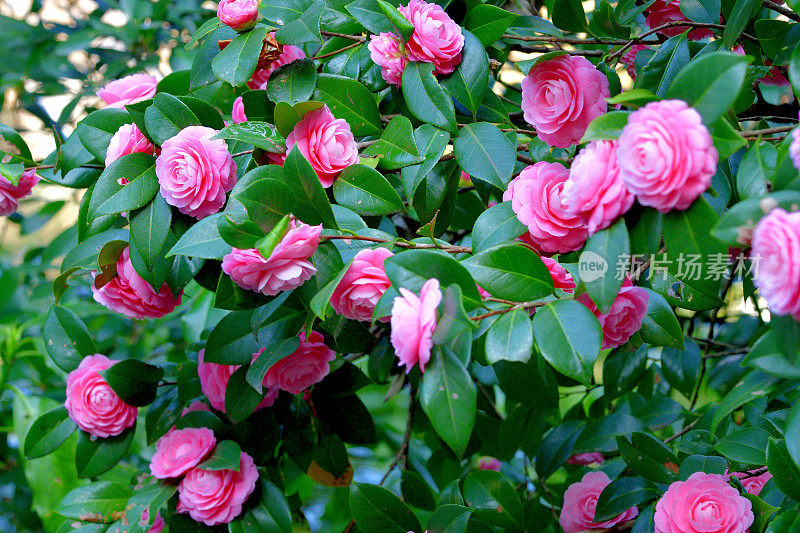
<point>418,267</point>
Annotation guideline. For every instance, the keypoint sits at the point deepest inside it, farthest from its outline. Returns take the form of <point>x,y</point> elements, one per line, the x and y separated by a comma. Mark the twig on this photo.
<point>673,24</point>
<point>340,50</point>
<point>767,131</point>
<point>520,130</point>
<point>238,154</point>
<point>788,13</point>
<point>726,353</point>
<point>401,457</point>
<point>449,248</point>
<point>46,167</point>
<point>521,305</point>
<point>359,38</point>
<point>684,431</point>
<point>364,144</point>
<point>525,159</point>
<point>566,40</point>
<point>545,49</point>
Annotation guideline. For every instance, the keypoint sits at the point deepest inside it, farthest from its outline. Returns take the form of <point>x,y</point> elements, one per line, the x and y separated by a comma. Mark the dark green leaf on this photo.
<point>745,445</point>
<point>485,153</point>
<point>93,455</point>
<point>293,82</point>
<point>612,246</point>
<point>494,499</point>
<point>97,129</point>
<point>311,202</point>
<point>511,271</point>
<point>622,494</point>
<point>167,116</point>
<point>66,338</point>
<point>237,61</point>
<point>103,500</point>
<point>468,83</point>
<point>376,509</point>
<point>365,191</point>
<point>350,100</point>
<point>134,381</point>
<point>260,134</point>
<point>396,148</point>
<point>510,338</point>
<point>227,455</point>
<point>426,99</point>
<point>48,432</point>
<point>305,29</point>
<point>149,230</point>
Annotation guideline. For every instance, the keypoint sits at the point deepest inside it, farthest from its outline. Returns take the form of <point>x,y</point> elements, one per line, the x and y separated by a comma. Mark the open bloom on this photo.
<point>289,53</point>
<point>362,285</point>
<point>413,322</point>
<point>237,113</point>
<point>131,295</point>
<point>663,11</point>
<point>214,380</point>
<point>666,156</point>
<point>128,90</point>
<point>387,51</point>
<point>625,316</point>
<point>240,15</point>
<point>128,140</point>
<point>91,402</point>
<point>586,458</point>
<point>286,268</point>
<point>704,503</point>
<point>580,501</point>
<point>10,195</point>
<point>776,248</point>
<point>753,484</point>
<point>307,365</point>
<point>561,96</point>
<point>181,449</point>
<point>436,39</point>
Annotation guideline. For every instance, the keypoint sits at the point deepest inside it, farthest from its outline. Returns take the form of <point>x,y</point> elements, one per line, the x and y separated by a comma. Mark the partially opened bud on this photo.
<point>240,15</point>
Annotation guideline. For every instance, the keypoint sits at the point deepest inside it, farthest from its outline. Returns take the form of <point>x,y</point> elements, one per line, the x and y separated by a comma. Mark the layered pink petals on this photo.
<point>240,15</point>
<point>237,113</point>
<point>489,463</point>
<point>436,39</point>
<point>661,12</point>
<point>181,449</point>
<point>536,197</point>
<point>128,90</point>
<point>666,156</point>
<point>132,296</point>
<point>580,501</point>
<point>413,322</point>
<point>625,316</point>
<point>261,76</point>
<point>561,96</point>
<point>362,285</point>
<point>595,190</point>
<point>704,503</point>
<point>753,484</point>
<point>586,458</point>
<point>91,402</point>
<point>307,365</point>
<point>128,140</point>
<point>387,51</point>
<point>629,59</point>
<point>286,268</point>
<point>561,278</point>
<point>776,248</point>
<point>214,380</point>
<point>216,496</point>
<point>10,195</point>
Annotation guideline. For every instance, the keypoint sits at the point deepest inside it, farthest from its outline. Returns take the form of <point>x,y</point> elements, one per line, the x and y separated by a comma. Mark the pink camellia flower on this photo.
<point>586,458</point>
<point>214,380</point>
<point>180,450</point>
<point>661,12</point>
<point>128,90</point>
<point>561,96</point>
<point>625,316</point>
<point>595,190</point>
<point>580,501</point>
<point>776,248</point>
<point>261,76</point>
<point>489,463</point>
<point>93,404</point>
<point>629,58</point>
<point>128,140</point>
<point>237,113</point>
<point>240,15</point>
<point>132,296</point>
<point>286,268</point>
<point>195,171</point>
<point>362,285</point>
<point>436,39</point>
<point>158,523</point>
<point>216,496</point>
<point>704,503</point>
<point>387,51</point>
<point>561,278</point>
<point>413,322</point>
<point>753,484</point>
<point>536,197</point>
<point>774,77</point>
<point>10,195</point>
<point>326,142</point>
<point>666,156</point>
<point>307,365</point>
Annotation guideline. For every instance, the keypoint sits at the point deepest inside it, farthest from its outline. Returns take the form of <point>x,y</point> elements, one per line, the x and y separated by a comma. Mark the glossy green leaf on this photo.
<point>93,456</point>
<point>102,499</point>
<point>293,82</point>
<point>350,100</point>
<point>485,153</point>
<point>511,271</point>
<point>494,499</point>
<point>260,134</point>
<point>510,338</point>
<point>622,494</point>
<point>236,63</point>
<point>426,99</point>
<point>376,509</point>
<point>134,381</point>
<point>66,338</point>
<point>365,191</point>
<point>48,432</point>
<point>612,246</point>
<point>496,225</point>
<point>468,83</point>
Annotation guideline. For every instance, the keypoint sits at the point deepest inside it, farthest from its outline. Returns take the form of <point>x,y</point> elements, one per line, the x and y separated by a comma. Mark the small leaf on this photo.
<point>48,432</point>
<point>510,338</point>
<point>227,455</point>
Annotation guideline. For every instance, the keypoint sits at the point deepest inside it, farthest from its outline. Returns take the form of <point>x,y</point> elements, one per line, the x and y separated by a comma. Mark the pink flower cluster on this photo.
<point>362,285</point>
<point>625,316</point>
<point>413,323</point>
<point>288,54</point>
<point>214,380</point>
<point>437,39</point>
<point>128,90</point>
<point>580,502</point>
<point>127,140</point>
<point>776,241</point>
<point>10,195</point>
<point>208,496</point>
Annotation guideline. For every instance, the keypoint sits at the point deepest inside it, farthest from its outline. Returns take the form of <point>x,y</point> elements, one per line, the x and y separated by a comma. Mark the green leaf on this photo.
<point>395,149</point>
<point>785,472</point>
<point>681,368</point>
<point>664,65</point>
<point>794,71</point>
<point>366,191</point>
<point>601,433</point>
<point>232,341</point>
<point>202,32</point>
<point>431,143</point>
<point>453,321</point>
<point>150,229</point>
<point>510,338</point>
<point>239,235</point>
<point>227,455</point>
<point>400,24</point>
<point>622,494</point>
<point>449,518</point>
<point>267,200</point>
<point>494,499</point>
<point>103,500</point>
<point>622,371</point>
<point>511,271</point>
<point>97,129</point>
<point>792,432</point>
<point>376,509</point>
<point>266,245</point>
<point>613,246</point>
<point>660,326</point>
<point>569,15</point>
<point>66,338</point>
<point>569,337</point>
<point>93,456</point>
<point>648,457</point>
<point>305,29</point>
<point>745,445</point>
<point>370,15</point>
<point>277,351</point>
<point>48,433</point>
<point>706,11</point>
<point>352,101</point>
<point>557,447</point>
<point>271,514</point>
<point>606,126</point>
<point>485,153</point>
<point>726,139</point>
<point>241,399</point>
<point>740,15</point>
<point>488,22</point>
<point>447,396</point>
<point>167,116</point>
<point>467,84</point>
<point>293,82</point>
<point>496,225</point>
<point>744,215</point>
<point>416,490</point>
<point>139,171</point>
<point>260,134</point>
<point>311,202</point>
<point>236,63</point>
<point>633,98</point>
<point>426,99</point>
<point>752,386</point>
<point>135,382</point>
<point>202,240</point>
<point>756,169</point>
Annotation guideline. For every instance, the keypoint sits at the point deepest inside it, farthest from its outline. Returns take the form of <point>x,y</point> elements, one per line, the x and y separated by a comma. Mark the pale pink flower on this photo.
<point>158,524</point>
<point>362,285</point>
<point>776,248</point>
<point>131,295</point>
<point>307,365</point>
<point>704,503</point>
<point>561,96</point>
<point>261,76</point>
<point>180,450</point>
<point>436,39</point>
<point>413,322</point>
<point>662,12</point>
<point>561,278</point>
<point>195,171</point>
<point>753,484</point>
<point>91,402</point>
<point>128,90</point>
<point>629,58</point>
<point>666,155</point>
<point>489,463</point>
<point>10,195</point>
<point>216,496</point>
<point>536,197</point>
<point>588,458</point>
<point>240,15</point>
<point>580,502</point>
<point>214,380</point>
<point>625,316</point>
<point>128,140</point>
<point>387,51</point>
<point>237,113</point>
<point>286,268</point>
<point>595,190</point>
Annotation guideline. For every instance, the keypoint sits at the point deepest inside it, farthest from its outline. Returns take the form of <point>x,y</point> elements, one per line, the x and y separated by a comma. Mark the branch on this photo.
<point>576,52</point>
<point>786,12</point>
<point>340,50</point>
<point>359,38</point>
<point>684,431</point>
<point>767,131</point>
<point>566,40</point>
<point>449,248</point>
<point>401,457</point>
<point>673,24</point>
<point>521,305</point>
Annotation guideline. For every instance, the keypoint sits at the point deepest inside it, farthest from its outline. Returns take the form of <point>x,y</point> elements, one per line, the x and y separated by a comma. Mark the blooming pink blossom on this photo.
<point>595,190</point>
<point>776,244</point>
<point>180,450</point>
<point>128,140</point>
<point>237,113</point>
<point>216,496</point>
<point>666,156</point>
<point>158,524</point>
<point>10,195</point>
<point>286,268</point>
<point>561,278</point>
<point>561,96</point>
<point>753,484</point>
<point>580,501</point>
<point>214,380</point>
<point>128,90</point>
<point>625,316</point>
<point>436,39</point>
<point>387,51</point>
<point>240,15</point>
<point>307,365</point>
<point>91,402</point>
<point>586,458</point>
<point>629,58</point>
<point>195,171</point>
<point>489,463</point>
<point>261,76</point>
<point>664,11</point>
<point>413,322</point>
<point>536,197</point>
<point>704,503</point>
<point>362,285</point>
<point>131,295</point>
